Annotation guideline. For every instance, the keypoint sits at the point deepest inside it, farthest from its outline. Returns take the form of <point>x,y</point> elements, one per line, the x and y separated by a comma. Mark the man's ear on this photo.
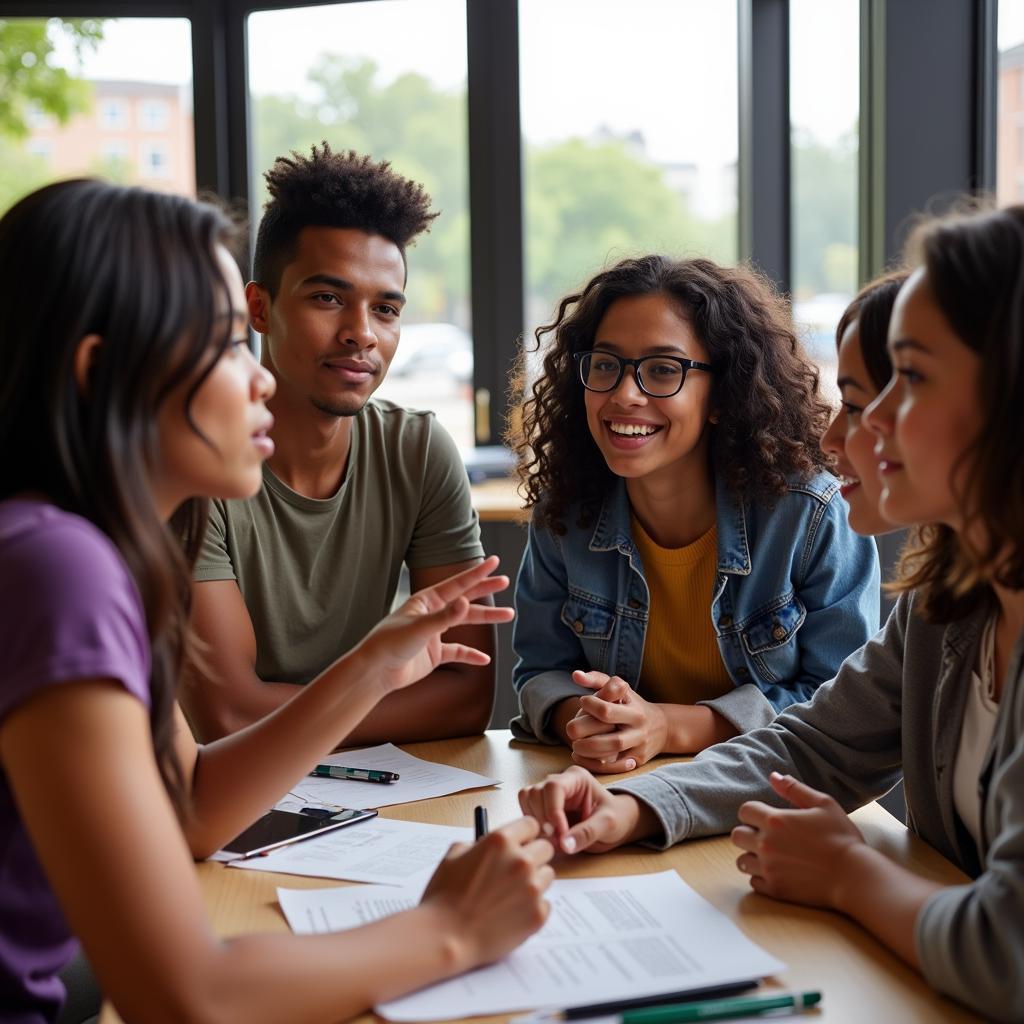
<point>85,360</point>
<point>257,299</point>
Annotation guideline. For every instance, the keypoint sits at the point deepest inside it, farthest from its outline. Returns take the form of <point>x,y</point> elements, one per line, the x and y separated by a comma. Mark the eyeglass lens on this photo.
<point>601,371</point>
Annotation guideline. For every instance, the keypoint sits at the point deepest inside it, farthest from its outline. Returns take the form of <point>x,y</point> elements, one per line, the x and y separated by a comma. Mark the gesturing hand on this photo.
<point>796,855</point>
<point>408,645</point>
<point>615,729</point>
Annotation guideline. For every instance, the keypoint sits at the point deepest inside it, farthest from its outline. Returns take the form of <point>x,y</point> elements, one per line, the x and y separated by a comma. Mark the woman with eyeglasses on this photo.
<point>689,571</point>
<point>937,697</point>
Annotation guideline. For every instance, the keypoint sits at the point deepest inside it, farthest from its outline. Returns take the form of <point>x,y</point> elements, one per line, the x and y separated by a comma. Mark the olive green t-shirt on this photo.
<point>318,575</point>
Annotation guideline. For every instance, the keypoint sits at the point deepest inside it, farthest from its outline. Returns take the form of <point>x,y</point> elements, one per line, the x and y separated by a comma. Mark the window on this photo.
<point>91,119</point>
<point>824,108</point>
<point>387,78</point>
<point>630,136</point>
<point>113,114</point>
<point>1010,105</point>
<point>154,160</point>
<point>154,115</point>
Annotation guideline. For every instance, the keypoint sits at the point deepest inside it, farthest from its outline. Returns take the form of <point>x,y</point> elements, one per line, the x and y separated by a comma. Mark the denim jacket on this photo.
<point>796,591</point>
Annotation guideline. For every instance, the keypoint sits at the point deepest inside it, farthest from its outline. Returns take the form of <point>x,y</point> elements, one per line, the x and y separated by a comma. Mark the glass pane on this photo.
<point>95,96</point>
<point>630,136</point>
<point>824,108</point>
<point>1010,117</point>
<point>387,78</point>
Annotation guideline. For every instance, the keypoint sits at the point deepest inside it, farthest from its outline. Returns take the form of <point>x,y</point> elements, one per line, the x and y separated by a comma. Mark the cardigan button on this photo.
<point>578,626</point>
<point>779,632</point>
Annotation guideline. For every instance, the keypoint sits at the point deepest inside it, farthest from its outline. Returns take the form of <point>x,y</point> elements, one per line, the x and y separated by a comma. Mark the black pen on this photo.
<point>480,821</point>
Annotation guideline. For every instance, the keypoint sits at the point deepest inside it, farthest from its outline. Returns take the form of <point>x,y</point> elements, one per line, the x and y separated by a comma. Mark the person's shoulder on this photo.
<point>819,488</point>
<point>60,561</point>
<point>42,539</point>
<point>394,417</point>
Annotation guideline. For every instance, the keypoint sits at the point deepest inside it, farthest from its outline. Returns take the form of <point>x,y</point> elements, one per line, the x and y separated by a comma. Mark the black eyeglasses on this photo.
<point>656,376</point>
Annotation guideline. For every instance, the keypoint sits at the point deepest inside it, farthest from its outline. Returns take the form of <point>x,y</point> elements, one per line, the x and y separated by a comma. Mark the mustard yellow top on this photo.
<point>682,663</point>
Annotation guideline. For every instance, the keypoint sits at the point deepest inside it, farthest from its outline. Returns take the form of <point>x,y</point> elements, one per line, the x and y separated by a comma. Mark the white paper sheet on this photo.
<point>606,938</point>
<point>316,911</point>
<point>382,850</point>
<point>420,780</point>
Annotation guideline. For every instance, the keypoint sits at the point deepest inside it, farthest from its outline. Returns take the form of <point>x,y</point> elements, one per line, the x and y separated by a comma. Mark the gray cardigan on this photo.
<point>896,704</point>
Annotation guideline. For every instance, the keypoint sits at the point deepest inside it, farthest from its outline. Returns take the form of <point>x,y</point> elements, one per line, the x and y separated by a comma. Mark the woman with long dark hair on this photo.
<point>127,390</point>
<point>937,696</point>
<point>689,571</point>
<point>864,369</point>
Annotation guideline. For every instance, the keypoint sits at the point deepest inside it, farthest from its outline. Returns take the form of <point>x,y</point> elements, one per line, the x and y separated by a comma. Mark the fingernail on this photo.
<point>547,828</point>
<point>630,764</point>
<point>568,844</point>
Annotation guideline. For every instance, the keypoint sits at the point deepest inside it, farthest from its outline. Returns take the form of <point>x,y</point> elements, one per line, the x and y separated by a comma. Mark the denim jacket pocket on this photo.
<point>589,621</point>
<point>775,626</point>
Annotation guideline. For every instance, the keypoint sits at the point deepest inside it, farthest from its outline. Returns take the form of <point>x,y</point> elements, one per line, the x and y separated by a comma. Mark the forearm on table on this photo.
<point>693,727</point>
<point>274,977</point>
<point>452,701</point>
<point>240,776</point>
<point>883,897</point>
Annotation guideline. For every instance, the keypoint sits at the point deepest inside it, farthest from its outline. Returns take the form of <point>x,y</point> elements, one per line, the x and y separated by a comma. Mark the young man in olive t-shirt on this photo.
<point>291,579</point>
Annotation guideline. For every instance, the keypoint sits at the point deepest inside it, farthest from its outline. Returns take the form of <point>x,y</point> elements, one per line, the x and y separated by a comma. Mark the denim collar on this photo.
<point>612,530</point>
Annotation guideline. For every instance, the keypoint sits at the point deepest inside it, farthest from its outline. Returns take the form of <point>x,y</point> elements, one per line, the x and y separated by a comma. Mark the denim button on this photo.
<point>743,671</point>
<point>633,603</point>
<point>779,632</point>
<point>725,621</point>
<point>578,626</point>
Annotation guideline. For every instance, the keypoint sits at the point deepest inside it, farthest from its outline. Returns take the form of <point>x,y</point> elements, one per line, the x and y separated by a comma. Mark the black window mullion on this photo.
<point>495,204</point>
<point>765,223</point>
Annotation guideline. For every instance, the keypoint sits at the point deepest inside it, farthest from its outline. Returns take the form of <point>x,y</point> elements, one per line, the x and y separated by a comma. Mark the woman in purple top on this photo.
<point>127,389</point>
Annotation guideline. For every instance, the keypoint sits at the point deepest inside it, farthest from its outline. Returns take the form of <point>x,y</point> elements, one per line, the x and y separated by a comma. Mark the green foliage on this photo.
<point>20,173</point>
<point>28,77</point>
<point>408,121</point>
<point>585,203</point>
<point>591,204</point>
<point>825,198</point>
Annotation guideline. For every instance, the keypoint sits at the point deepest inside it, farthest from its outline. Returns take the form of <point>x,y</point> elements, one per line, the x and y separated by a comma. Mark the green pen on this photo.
<point>720,1009</point>
<point>337,771</point>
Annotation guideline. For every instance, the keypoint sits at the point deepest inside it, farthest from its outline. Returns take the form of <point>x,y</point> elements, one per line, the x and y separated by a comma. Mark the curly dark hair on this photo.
<point>974,267</point>
<point>770,414</point>
<point>336,190</point>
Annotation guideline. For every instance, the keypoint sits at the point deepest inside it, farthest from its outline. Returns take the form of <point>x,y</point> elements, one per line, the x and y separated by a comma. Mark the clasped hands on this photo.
<point>615,729</point>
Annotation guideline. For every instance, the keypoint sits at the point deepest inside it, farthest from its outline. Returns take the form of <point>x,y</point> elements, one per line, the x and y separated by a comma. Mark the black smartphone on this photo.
<point>278,828</point>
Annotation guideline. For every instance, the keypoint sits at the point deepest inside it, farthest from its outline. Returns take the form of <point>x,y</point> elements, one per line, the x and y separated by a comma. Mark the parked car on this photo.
<point>435,349</point>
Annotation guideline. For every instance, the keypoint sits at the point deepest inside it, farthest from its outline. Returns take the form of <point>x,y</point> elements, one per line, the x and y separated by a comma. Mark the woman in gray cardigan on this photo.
<point>938,695</point>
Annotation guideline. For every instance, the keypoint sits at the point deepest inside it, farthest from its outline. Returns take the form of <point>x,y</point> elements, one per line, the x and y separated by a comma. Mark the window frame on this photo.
<point>898,175</point>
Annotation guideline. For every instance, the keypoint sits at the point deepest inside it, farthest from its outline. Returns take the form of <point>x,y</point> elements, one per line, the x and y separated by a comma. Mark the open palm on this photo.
<point>408,644</point>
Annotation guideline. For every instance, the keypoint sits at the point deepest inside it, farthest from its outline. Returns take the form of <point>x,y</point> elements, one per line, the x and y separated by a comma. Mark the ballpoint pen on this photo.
<point>480,822</point>
<point>688,1009</point>
<point>337,771</point>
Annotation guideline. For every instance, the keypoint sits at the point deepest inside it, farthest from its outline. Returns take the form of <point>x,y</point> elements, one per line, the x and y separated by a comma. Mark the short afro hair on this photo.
<point>337,190</point>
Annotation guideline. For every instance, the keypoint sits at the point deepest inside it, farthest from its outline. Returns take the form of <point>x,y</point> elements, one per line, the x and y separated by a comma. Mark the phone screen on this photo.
<point>277,828</point>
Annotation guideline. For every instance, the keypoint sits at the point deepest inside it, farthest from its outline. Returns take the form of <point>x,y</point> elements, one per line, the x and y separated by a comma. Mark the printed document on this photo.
<point>381,850</point>
<point>419,780</point>
<point>606,938</point>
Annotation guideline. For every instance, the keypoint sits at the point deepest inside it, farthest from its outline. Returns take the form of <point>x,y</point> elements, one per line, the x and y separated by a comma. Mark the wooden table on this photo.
<point>860,980</point>
<point>498,501</point>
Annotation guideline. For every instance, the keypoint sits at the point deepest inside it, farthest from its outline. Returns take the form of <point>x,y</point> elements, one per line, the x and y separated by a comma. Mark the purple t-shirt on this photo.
<point>69,610</point>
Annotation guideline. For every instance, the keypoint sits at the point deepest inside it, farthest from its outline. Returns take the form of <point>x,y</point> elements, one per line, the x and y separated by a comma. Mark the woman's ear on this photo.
<point>85,359</point>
